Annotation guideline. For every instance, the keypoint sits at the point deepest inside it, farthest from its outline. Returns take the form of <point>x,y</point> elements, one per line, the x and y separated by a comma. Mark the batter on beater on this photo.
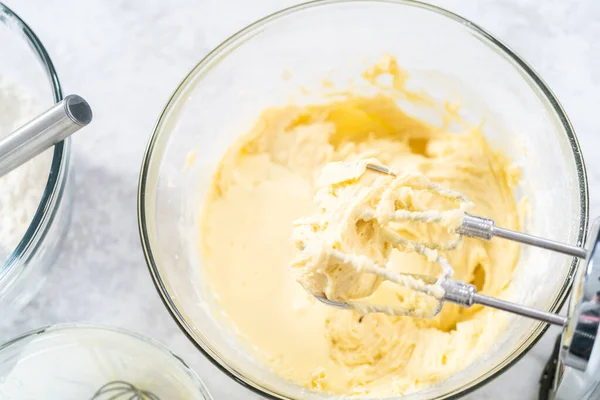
<point>345,247</point>
<point>268,179</point>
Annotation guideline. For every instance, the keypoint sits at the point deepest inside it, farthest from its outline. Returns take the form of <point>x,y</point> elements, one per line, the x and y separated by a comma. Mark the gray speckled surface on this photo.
<point>126,57</point>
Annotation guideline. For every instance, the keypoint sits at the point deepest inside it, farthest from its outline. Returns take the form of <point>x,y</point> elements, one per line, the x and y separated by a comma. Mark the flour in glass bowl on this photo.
<point>22,188</point>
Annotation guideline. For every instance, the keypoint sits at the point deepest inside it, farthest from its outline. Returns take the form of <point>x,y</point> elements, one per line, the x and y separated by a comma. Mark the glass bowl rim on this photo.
<point>231,43</point>
<point>59,168</point>
<point>120,331</point>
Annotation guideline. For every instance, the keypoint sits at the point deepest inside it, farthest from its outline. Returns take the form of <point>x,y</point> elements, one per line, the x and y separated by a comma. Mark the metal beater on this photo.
<point>465,294</point>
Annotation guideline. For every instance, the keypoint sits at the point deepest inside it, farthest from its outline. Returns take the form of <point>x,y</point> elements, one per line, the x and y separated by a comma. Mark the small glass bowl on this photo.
<point>261,66</point>
<point>75,362</point>
<point>26,63</point>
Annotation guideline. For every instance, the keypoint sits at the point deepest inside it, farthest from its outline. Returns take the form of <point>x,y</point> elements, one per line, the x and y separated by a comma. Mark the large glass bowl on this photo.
<point>262,65</point>
<point>25,62</point>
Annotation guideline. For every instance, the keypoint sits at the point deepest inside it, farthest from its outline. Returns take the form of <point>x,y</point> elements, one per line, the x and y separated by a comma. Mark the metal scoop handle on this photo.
<point>43,132</point>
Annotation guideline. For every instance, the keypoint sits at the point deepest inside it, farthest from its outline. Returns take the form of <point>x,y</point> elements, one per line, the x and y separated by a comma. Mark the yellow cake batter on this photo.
<point>267,180</point>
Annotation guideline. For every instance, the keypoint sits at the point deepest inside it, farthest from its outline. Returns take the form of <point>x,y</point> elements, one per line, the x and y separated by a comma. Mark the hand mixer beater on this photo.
<point>384,213</point>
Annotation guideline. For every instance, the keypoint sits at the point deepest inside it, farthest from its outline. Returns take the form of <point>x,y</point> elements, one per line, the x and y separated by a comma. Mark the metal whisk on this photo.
<point>464,294</point>
<point>117,390</point>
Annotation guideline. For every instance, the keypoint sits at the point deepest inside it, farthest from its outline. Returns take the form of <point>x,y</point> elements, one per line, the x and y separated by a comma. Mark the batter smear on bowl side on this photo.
<point>267,180</point>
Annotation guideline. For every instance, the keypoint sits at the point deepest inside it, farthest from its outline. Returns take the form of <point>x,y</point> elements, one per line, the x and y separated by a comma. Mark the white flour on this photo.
<point>22,188</point>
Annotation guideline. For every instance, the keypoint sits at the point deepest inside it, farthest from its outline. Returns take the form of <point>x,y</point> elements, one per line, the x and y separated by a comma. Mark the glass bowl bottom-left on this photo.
<point>85,362</point>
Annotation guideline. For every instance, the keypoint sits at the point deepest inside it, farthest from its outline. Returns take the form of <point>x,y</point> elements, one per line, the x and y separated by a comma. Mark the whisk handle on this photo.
<point>485,228</point>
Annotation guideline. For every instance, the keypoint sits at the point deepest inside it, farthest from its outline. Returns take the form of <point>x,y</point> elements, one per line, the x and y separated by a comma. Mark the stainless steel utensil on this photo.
<point>43,132</point>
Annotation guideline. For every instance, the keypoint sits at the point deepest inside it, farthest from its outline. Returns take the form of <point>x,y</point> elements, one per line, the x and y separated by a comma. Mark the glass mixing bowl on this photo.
<point>447,56</point>
<point>75,361</point>
<point>26,63</point>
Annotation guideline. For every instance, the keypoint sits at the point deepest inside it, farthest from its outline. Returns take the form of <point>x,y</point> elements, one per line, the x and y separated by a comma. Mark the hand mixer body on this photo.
<point>579,374</point>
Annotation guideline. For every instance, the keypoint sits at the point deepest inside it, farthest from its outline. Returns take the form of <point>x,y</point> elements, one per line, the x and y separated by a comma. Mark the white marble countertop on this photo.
<point>126,57</point>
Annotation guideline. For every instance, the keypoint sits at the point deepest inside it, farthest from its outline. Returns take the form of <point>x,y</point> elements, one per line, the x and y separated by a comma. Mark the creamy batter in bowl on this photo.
<point>325,43</point>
